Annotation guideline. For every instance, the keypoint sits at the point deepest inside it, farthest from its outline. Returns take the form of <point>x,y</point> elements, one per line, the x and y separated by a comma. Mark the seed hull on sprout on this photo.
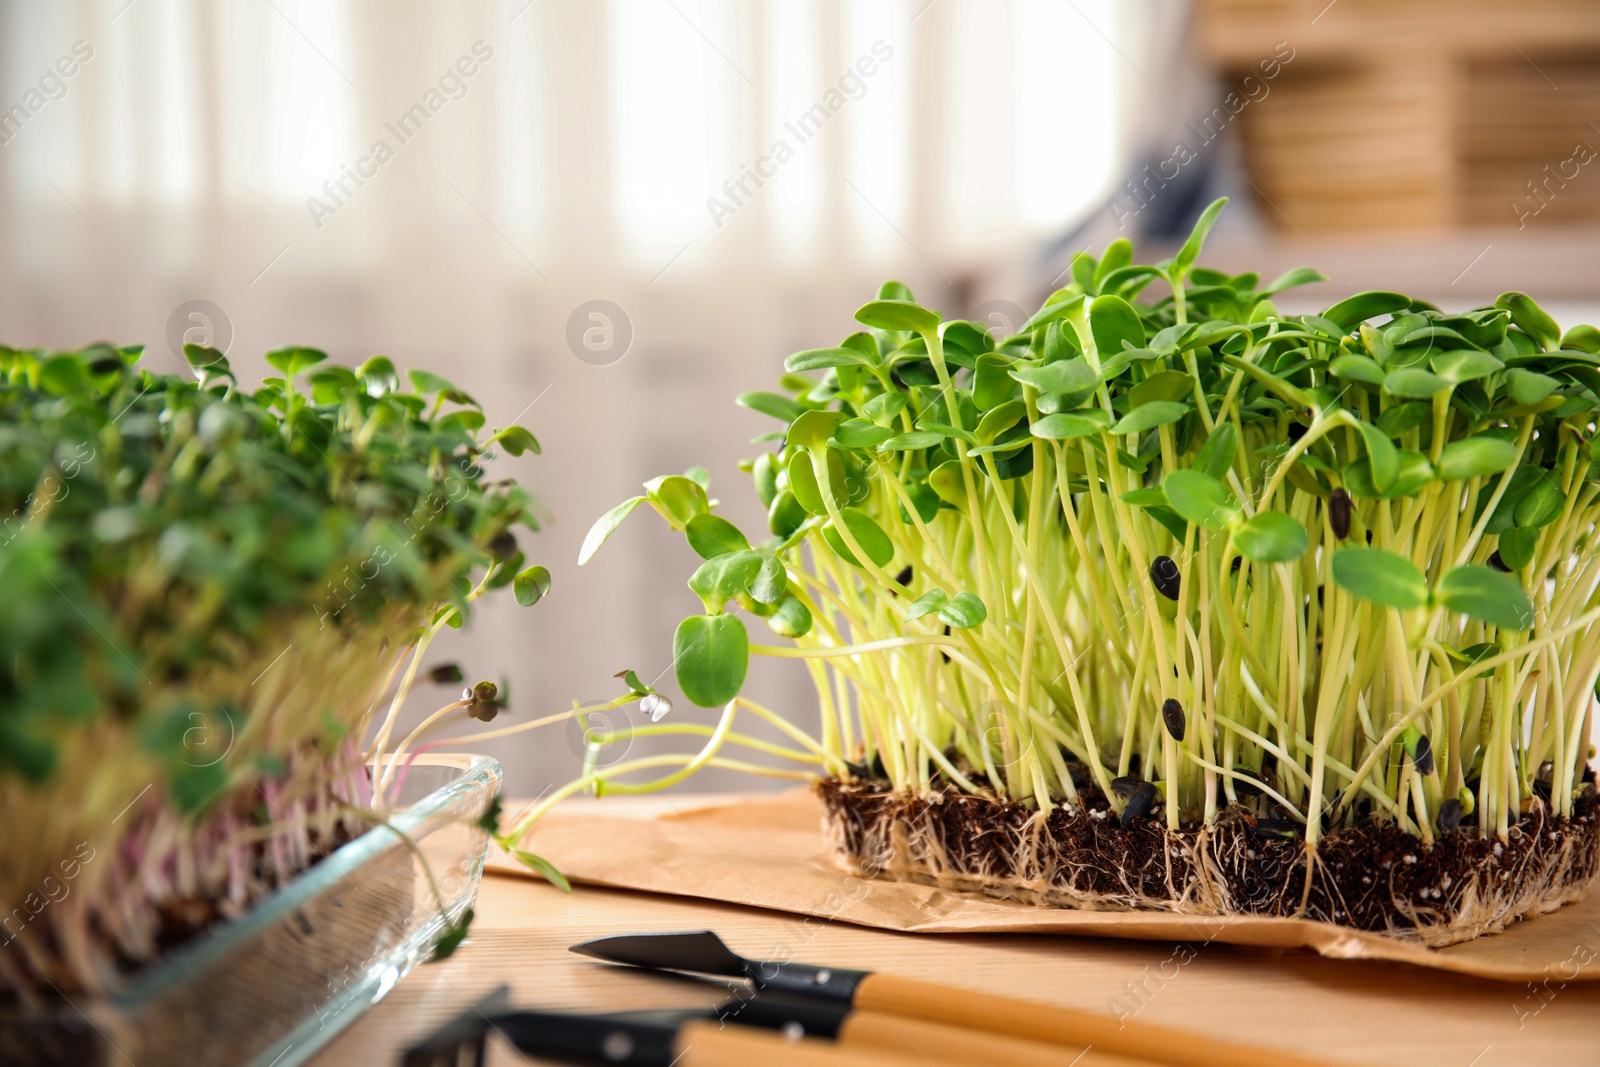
<point>1373,877</point>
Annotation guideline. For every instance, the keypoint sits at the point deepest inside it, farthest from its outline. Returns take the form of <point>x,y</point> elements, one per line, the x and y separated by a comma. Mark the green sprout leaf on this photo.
<point>803,483</point>
<point>719,580</point>
<point>813,428</point>
<point>867,533</point>
<point>711,654</point>
<point>1414,383</point>
<point>1483,593</point>
<point>884,408</point>
<point>1114,322</point>
<point>824,358</point>
<point>1271,537</point>
<point>910,442</point>
<point>489,821</point>
<point>1473,457</point>
<point>790,619</point>
<point>1382,455</point>
<point>1465,365</point>
<point>963,612</point>
<point>1531,318</point>
<point>605,527</point>
<point>1167,385</point>
<point>292,361</point>
<point>1542,504</point>
<point>531,585</point>
<point>1064,376</point>
<point>1528,387</point>
<point>711,536</point>
<point>378,376</point>
<point>927,604</point>
<point>1357,369</point>
<point>898,316</point>
<point>785,515</point>
<point>1348,313</point>
<point>998,420</point>
<point>861,433</point>
<point>771,580</point>
<point>1517,546</point>
<point>1156,413</point>
<point>1064,427</point>
<point>777,405</point>
<point>516,440</point>
<point>452,938</point>
<point>543,868</point>
<point>1197,237</point>
<point>677,499</point>
<point>1200,499</point>
<point>1381,576</point>
<point>1216,455</point>
<point>635,684</point>
<point>1294,278</point>
<point>991,381</point>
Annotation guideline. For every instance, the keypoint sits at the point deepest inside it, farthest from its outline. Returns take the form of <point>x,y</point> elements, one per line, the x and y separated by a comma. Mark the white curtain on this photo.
<point>452,184</point>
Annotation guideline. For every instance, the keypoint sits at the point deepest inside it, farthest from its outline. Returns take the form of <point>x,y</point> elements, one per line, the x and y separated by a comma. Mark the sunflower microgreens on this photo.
<point>1347,560</point>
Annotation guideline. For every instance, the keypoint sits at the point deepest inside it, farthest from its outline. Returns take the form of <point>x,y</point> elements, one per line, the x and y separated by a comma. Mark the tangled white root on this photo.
<point>975,844</point>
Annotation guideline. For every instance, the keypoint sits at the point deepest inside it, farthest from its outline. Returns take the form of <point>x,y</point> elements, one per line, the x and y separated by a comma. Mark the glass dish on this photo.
<point>273,987</point>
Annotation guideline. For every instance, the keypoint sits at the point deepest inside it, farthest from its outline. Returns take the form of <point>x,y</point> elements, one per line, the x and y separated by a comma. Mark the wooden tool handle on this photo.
<point>951,1046</point>
<point>713,1045</point>
<point>1062,1026</point>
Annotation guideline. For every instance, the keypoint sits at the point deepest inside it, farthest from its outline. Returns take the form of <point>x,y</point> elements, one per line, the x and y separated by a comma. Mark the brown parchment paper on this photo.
<point>768,851</point>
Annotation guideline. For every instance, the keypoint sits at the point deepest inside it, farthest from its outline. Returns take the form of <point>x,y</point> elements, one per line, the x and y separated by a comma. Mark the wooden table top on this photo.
<point>1350,1012</point>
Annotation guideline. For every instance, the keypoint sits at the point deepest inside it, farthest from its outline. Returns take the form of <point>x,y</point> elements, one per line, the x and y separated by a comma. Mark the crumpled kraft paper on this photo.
<point>768,851</point>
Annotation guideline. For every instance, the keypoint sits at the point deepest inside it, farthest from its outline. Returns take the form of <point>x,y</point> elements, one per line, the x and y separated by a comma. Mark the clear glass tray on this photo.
<point>271,988</point>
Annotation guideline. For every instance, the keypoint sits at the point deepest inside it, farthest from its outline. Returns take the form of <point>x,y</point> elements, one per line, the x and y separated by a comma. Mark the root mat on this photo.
<point>769,852</point>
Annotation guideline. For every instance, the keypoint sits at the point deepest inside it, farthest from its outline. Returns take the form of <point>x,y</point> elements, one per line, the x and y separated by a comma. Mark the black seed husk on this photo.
<point>1125,785</point>
<point>1423,760</point>
<point>445,673</point>
<point>1139,804</point>
<point>1164,575</point>
<point>1238,561</point>
<point>1247,789</point>
<point>904,577</point>
<point>1339,512</point>
<point>1172,715</point>
<point>1450,814</point>
<point>503,545</point>
<point>1497,563</point>
<point>1275,828</point>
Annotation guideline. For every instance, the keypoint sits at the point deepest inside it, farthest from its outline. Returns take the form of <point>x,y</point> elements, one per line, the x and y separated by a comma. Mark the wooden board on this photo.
<point>1359,1012</point>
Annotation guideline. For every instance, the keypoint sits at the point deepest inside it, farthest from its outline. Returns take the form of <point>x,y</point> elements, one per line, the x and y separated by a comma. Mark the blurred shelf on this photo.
<point>1461,267</point>
<point>1423,115</point>
<point>1240,32</point>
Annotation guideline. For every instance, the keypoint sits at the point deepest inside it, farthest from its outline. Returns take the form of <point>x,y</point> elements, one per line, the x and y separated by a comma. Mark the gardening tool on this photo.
<point>911,1003</point>
<point>810,1026</point>
<point>640,1039</point>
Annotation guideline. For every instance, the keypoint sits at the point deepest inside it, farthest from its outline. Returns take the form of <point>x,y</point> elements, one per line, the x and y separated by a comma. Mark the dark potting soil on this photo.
<point>1371,877</point>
